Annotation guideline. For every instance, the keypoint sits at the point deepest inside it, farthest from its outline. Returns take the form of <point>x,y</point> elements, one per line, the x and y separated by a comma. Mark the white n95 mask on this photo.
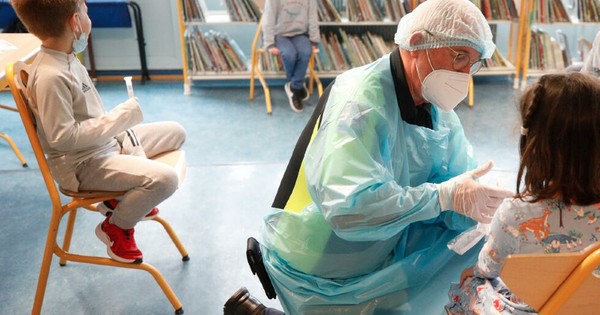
<point>445,89</point>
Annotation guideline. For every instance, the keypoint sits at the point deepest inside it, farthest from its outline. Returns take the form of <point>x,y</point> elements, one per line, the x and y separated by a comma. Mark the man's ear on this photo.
<point>414,39</point>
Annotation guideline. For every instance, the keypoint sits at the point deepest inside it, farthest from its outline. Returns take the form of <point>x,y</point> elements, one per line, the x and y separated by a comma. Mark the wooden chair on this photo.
<point>17,77</point>
<point>556,283</point>
<point>14,147</point>
<point>257,51</point>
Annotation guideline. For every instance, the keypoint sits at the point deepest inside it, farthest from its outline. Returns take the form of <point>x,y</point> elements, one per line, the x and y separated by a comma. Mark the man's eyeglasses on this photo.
<point>461,60</point>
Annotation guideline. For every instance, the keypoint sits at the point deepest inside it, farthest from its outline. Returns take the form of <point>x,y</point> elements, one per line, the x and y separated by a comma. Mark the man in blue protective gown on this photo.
<point>390,174</point>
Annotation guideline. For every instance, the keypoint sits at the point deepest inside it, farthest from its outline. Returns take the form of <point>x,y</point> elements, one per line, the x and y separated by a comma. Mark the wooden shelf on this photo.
<point>385,28</point>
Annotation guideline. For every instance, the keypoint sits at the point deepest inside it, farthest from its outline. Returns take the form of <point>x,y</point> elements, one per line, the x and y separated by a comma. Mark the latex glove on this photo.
<point>465,195</point>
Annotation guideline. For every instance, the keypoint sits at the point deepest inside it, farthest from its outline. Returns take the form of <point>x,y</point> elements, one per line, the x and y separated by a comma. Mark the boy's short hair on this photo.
<point>45,18</point>
<point>561,146</point>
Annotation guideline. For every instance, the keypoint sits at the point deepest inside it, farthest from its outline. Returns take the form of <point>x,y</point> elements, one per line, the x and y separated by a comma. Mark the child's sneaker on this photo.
<point>295,100</point>
<point>151,215</point>
<point>107,207</point>
<point>303,93</point>
<point>120,244</point>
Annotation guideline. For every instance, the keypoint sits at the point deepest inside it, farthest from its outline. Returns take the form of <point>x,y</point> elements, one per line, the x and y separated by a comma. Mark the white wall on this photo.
<point>117,48</point>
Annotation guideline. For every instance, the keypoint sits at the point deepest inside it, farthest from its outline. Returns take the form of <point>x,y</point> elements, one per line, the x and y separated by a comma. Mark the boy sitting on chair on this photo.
<point>89,148</point>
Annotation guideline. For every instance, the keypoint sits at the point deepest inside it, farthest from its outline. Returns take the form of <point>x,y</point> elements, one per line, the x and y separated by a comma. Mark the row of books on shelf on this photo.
<point>238,10</point>
<point>588,10</point>
<point>543,11</point>
<point>394,10</point>
<point>359,10</point>
<point>192,11</point>
<point>363,10</point>
<point>546,53</point>
<point>497,61</point>
<point>497,9</point>
<point>549,11</point>
<point>243,10</point>
<point>555,11</point>
<point>327,12</point>
<point>339,51</point>
<point>213,52</point>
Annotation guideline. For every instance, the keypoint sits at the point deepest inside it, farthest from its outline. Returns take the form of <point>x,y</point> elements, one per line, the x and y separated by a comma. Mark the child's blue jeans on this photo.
<point>295,52</point>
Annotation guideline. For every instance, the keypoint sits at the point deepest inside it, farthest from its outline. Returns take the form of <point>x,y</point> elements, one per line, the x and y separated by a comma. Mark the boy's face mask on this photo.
<point>79,44</point>
<point>443,88</point>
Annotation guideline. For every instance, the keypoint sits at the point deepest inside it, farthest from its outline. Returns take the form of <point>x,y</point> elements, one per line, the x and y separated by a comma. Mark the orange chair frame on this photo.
<point>17,78</point>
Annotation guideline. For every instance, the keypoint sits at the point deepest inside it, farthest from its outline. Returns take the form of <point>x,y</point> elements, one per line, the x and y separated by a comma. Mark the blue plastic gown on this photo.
<point>375,229</point>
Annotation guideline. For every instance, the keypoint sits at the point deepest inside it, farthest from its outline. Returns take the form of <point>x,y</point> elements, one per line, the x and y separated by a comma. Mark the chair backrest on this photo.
<point>556,283</point>
<point>17,75</point>
<point>257,37</point>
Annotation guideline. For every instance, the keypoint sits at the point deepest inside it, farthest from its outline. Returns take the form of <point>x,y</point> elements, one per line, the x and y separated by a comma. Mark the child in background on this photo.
<point>89,148</point>
<point>556,210</point>
<point>291,29</point>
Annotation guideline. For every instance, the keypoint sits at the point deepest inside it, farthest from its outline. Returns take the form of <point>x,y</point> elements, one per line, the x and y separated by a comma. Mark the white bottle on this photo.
<point>129,86</point>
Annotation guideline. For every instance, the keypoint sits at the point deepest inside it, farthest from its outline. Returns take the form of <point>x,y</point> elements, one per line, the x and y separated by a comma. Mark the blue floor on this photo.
<point>236,156</point>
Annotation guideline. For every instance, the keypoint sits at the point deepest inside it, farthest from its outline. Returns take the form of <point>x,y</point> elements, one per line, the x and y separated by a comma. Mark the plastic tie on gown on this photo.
<point>469,238</point>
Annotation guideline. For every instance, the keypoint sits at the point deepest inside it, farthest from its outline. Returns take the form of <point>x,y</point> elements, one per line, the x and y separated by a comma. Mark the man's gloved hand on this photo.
<point>465,195</point>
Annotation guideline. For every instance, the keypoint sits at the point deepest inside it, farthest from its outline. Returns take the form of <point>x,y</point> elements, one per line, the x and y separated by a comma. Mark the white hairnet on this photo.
<point>446,23</point>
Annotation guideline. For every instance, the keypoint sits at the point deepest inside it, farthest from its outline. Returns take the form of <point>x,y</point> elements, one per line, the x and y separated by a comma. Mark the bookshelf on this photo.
<point>353,33</point>
<point>540,51</point>
<point>208,54</point>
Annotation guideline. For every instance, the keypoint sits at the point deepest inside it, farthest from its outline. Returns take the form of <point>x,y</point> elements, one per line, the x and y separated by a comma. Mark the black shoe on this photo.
<point>242,303</point>
<point>303,93</point>
<point>295,101</point>
<point>255,261</point>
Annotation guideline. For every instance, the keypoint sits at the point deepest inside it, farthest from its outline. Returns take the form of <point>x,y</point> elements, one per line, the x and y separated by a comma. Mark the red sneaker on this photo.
<point>111,204</point>
<point>151,215</point>
<point>120,244</point>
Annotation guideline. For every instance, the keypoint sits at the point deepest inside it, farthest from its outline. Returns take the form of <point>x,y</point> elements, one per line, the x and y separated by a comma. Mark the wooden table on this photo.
<point>15,47</point>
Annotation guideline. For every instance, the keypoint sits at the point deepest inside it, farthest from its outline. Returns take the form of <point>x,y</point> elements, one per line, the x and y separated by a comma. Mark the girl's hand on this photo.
<point>466,274</point>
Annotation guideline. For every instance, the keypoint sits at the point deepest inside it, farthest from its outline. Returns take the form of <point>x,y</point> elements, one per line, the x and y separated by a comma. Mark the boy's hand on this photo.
<point>274,50</point>
<point>315,49</point>
<point>132,101</point>
<point>130,144</point>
